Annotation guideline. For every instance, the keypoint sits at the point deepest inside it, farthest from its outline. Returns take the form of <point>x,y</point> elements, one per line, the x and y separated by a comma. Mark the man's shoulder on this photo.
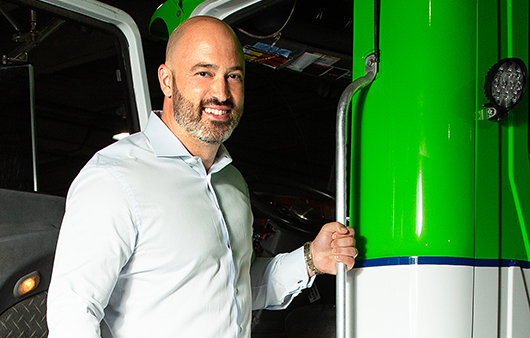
<point>112,162</point>
<point>232,176</point>
<point>122,151</point>
<point>229,172</point>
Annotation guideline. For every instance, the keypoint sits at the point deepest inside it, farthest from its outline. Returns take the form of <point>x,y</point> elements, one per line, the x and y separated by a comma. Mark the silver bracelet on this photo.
<point>309,259</point>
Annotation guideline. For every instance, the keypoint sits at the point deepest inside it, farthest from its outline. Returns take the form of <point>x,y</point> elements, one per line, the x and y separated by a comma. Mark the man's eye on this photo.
<point>236,77</point>
<point>202,73</point>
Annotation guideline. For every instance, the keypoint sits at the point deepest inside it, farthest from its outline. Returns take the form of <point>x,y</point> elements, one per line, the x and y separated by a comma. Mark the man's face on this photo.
<point>195,120</point>
<point>208,92</point>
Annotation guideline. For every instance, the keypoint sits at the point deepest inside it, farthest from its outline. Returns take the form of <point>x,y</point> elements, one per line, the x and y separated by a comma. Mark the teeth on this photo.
<point>215,111</point>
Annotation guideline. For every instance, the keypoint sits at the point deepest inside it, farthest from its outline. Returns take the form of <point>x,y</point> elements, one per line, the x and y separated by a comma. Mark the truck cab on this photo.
<point>436,149</point>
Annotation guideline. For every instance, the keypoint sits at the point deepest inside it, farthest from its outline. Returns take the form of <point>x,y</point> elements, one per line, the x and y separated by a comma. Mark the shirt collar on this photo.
<point>165,144</point>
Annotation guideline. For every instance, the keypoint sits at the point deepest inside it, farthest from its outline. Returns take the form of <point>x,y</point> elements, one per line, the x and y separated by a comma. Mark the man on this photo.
<point>156,237</point>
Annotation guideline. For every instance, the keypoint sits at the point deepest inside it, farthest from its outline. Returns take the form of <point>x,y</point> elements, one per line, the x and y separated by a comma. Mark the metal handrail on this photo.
<point>343,320</point>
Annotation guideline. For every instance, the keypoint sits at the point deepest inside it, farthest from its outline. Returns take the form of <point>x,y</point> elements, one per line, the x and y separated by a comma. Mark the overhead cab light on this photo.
<point>120,136</point>
<point>505,86</point>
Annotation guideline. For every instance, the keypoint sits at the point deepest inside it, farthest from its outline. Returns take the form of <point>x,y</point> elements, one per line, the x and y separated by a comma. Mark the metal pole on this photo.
<point>343,320</point>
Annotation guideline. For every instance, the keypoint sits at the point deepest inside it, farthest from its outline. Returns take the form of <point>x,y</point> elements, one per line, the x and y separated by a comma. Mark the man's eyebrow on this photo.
<point>215,67</point>
<point>231,69</point>
<point>205,65</point>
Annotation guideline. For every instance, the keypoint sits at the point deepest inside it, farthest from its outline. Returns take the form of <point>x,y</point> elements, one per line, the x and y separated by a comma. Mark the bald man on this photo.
<point>156,238</point>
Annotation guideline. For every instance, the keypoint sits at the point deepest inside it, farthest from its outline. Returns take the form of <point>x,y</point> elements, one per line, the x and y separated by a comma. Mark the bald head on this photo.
<point>197,29</point>
<point>203,83</point>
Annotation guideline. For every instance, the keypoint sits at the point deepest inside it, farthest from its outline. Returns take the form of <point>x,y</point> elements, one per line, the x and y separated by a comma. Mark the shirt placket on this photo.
<point>196,164</point>
<point>234,313</point>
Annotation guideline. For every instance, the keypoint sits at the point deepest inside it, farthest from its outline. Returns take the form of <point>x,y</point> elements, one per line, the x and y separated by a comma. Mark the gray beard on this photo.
<point>189,117</point>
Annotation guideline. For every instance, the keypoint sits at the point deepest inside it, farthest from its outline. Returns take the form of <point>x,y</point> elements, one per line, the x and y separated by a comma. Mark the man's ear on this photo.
<point>165,78</point>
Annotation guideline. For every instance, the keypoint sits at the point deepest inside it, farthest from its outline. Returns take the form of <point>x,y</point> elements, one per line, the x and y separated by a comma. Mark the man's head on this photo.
<point>202,80</point>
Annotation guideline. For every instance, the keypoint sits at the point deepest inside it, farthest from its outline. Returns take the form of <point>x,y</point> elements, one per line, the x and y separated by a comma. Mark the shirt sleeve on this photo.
<point>276,281</point>
<point>96,239</point>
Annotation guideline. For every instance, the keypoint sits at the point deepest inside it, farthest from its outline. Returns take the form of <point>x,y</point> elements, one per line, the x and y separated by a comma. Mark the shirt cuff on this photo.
<point>298,274</point>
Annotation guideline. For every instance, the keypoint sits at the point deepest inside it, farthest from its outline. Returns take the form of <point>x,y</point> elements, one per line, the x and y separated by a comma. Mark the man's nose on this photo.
<point>220,89</point>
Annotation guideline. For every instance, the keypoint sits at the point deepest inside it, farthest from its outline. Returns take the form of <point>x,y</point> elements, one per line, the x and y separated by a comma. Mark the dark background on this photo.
<point>287,131</point>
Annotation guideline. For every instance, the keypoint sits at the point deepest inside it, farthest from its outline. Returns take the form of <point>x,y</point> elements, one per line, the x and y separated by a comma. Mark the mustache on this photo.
<point>214,101</point>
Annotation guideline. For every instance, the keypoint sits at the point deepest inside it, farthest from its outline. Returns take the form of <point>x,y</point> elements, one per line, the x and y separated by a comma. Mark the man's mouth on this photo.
<point>216,112</point>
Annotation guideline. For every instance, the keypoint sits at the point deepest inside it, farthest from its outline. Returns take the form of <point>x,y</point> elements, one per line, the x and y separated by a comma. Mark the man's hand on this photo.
<point>334,243</point>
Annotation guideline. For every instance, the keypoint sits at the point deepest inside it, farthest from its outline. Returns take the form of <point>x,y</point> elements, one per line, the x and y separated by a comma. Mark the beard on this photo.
<point>189,117</point>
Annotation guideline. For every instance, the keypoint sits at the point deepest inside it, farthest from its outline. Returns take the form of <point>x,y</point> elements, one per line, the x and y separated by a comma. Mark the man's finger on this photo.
<point>347,241</point>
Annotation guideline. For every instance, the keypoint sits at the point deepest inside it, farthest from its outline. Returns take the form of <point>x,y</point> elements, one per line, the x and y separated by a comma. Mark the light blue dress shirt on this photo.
<point>159,247</point>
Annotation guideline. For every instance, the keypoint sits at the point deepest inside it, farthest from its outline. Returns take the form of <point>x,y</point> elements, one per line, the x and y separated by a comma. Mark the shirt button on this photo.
<point>300,281</point>
<point>240,328</point>
<point>237,291</point>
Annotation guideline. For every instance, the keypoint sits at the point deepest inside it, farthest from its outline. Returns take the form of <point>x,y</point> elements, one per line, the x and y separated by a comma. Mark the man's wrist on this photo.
<point>309,260</point>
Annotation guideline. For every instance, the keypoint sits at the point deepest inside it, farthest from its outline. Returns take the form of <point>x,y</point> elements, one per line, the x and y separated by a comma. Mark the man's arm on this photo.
<point>96,239</point>
<point>276,281</point>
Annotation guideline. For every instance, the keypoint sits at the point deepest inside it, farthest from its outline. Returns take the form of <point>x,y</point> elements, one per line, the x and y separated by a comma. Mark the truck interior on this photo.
<point>74,96</point>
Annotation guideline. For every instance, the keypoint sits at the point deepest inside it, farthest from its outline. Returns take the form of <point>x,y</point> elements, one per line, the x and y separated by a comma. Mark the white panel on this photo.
<point>515,307</point>
<point>412,301</point>
<point>486,302</point>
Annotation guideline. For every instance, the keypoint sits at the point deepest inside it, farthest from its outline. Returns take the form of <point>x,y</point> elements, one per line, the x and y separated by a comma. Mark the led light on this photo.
<point>505,85</point>
<point>27,283</point>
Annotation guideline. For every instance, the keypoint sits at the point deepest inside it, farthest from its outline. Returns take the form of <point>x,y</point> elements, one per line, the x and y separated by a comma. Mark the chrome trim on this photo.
<point>344,318</point>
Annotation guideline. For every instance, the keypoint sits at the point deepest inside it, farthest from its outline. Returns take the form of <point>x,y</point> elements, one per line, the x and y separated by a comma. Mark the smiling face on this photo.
<point>209,121</point>
<point>207,69</point>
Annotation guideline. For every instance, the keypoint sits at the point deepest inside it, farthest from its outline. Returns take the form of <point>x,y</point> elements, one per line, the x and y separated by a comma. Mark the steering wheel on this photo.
<point>287,213</point>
